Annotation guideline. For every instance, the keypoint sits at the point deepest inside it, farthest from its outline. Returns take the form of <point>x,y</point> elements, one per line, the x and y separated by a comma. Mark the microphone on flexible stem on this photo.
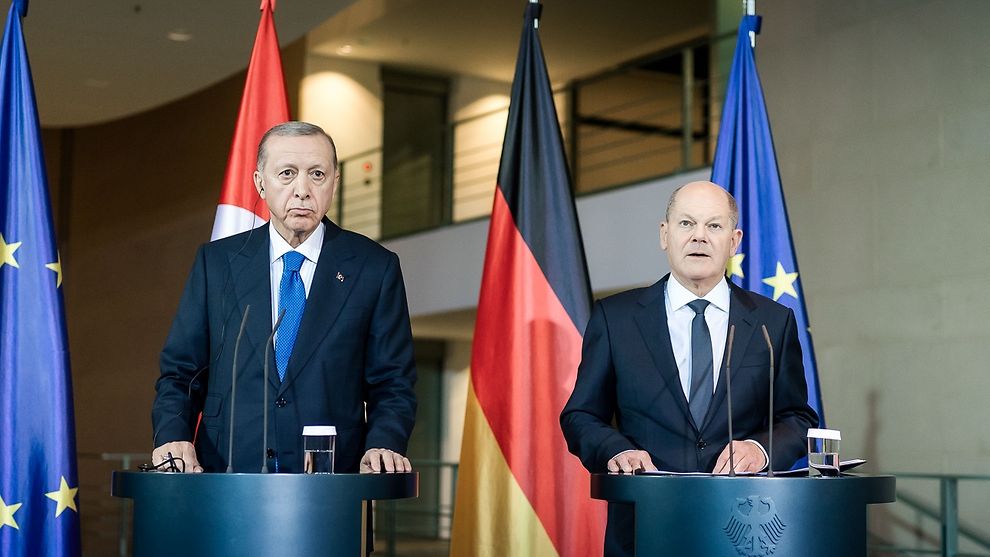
<point>264,385</point>
<point>766,336</point>
<point>233,390</point>
<point>728,387</point>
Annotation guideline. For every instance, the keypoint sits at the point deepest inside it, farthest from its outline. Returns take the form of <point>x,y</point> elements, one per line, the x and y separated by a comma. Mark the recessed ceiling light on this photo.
<point>345,50</point>
<point>179,35</point>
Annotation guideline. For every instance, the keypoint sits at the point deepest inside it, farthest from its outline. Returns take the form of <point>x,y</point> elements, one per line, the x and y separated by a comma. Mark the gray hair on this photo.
<point>733,206</point>
<point>294,129</point>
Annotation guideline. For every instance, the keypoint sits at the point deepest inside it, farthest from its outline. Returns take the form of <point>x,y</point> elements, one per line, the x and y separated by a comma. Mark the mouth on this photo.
<point>300,211</point>
<point>698,255</point>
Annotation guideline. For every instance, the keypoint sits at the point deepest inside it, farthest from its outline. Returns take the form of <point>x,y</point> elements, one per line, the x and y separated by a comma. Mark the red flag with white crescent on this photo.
<point>263,105</point>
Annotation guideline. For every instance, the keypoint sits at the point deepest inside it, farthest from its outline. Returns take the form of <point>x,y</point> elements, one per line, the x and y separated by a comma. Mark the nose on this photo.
<point>699,234</point>
<point>301,187</point>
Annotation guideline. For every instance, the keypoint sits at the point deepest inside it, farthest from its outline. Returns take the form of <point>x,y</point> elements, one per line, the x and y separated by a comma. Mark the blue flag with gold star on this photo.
<point>39,514</point>
<point>745,164</point>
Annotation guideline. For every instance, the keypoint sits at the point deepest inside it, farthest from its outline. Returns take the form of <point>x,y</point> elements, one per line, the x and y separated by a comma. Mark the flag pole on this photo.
<point>749,7</point>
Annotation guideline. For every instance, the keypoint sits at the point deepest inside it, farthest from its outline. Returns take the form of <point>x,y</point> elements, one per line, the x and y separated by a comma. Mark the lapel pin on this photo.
<point>340,277</point>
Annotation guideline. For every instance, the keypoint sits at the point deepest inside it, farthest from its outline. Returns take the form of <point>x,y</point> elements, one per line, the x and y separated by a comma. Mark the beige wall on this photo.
<point>880,113</point>
<point>880,119</point>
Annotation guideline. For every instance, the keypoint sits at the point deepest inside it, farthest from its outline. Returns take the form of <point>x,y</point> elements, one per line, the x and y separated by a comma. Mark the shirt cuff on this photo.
<point>616,455</point>
<point>766,457</point>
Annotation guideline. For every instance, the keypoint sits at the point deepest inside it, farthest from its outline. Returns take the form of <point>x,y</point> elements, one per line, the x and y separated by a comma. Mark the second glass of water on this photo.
<point>319,444</point>
<point>823,452</point>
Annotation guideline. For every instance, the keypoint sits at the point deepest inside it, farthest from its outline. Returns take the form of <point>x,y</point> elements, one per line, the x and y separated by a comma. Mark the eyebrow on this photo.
<point>319,166</point>
<point>683,216</point>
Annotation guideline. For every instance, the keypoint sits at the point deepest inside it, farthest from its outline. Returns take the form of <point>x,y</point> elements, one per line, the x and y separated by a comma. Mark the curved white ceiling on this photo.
<point>100,60</point>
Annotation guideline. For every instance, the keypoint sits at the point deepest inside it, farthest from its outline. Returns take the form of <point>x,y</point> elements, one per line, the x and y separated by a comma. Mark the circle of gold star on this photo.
<point>7,514</point>
<point>733,267</point>
<point>7,252</point>
<point>65,497</point>
<point>57,267</point>
<point>782,283</point>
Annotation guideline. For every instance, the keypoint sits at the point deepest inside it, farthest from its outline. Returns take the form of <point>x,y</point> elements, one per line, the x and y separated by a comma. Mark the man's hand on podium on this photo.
<point>179,449</point>
<point>376,461</point>
<point>749,457</point>
<point>628,462</point>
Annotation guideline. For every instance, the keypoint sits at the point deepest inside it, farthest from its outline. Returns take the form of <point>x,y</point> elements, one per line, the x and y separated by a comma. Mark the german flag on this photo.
<point>519,491</point>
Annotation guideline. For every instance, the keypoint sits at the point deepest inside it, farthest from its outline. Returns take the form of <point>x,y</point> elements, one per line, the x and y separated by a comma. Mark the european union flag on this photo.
<point>38,482</point>
<point>745,164</point>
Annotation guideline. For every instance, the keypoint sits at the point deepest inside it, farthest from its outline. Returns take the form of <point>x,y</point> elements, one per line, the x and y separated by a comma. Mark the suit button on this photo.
<point>270,453</point>
<point>702,444</point>
<point>281,402</point>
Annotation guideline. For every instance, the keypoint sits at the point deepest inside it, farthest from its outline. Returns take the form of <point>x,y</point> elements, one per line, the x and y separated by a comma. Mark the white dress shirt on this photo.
<point>679,318</point>
<point>278,247</point>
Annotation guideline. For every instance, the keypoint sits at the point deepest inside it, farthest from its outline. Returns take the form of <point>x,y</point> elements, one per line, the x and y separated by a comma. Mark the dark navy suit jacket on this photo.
<point>628,376</point>
<point>353,356</point>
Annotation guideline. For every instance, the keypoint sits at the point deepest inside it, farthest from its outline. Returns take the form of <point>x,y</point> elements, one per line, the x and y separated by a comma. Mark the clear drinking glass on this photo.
<point>319,444</point>
<point>823,452</point>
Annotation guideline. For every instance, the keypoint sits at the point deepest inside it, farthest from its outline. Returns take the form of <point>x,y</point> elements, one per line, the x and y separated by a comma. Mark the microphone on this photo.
<point>233,390</point>
<point>264,385</point>
<point>766,336</point>
<point>728,387</point>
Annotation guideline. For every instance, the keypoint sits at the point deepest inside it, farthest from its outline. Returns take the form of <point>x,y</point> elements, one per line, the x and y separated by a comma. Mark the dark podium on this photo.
<point>718,516</point>
<point>254,514</point>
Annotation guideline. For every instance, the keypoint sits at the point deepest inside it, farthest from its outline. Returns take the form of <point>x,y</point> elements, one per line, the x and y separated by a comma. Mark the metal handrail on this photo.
<point>946,514</point>
<point>372,219</point>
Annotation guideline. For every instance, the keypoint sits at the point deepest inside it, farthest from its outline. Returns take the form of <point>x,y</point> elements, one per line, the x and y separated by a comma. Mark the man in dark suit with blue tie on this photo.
<point>342,353</point>
<point>650,389</point>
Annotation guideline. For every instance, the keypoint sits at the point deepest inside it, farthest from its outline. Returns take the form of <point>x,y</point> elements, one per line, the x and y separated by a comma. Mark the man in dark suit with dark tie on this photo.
<point>342,354</point>
<point>650,389</point>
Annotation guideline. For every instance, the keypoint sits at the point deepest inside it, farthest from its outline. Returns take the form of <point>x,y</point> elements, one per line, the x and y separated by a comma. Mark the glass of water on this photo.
<point>319,443</point>
<point>823,452</point>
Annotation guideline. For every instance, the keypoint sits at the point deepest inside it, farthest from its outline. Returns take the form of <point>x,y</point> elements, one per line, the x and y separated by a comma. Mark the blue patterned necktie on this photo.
<point>702,366</point>
<point>291,300</point>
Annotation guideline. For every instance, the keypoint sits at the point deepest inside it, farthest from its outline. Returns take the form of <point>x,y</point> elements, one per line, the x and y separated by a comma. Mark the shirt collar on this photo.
<point>679,296</point>
<point>310,248</point>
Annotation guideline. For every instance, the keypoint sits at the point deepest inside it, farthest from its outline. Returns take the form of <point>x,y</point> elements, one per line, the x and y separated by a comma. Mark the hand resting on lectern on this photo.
<point>178,449</point>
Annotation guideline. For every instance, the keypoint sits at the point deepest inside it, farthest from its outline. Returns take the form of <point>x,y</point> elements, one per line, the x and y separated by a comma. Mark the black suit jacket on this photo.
<point>353,353</point>
<point>628,376</point>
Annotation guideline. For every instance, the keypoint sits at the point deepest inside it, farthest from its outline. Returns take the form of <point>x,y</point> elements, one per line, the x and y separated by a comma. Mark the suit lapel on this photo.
<point>250,268</point>
<point>651,318</point>
<point>741,308</point>
<point>327,296</point>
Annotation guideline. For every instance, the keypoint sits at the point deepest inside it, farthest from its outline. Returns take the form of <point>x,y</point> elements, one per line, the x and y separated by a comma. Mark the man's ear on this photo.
<point>259,183</point>
<point>663,235</point>
<point>737,235</point>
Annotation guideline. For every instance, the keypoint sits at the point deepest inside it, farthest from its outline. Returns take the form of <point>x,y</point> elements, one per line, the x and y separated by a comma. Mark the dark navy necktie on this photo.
<point>702,368</point>
<point>291,300</point>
